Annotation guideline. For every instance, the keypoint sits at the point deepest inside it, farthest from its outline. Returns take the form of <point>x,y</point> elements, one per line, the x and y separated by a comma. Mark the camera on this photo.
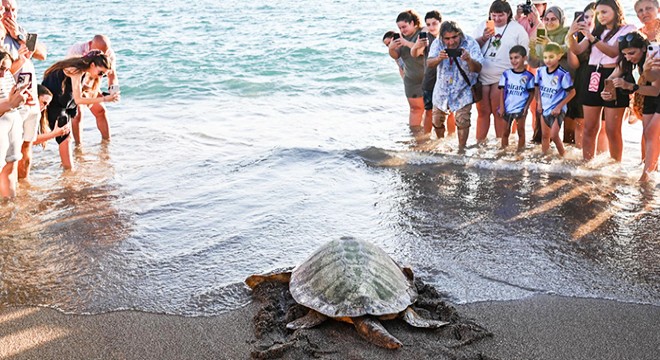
<point>527,7</point>
<point>454,53</point>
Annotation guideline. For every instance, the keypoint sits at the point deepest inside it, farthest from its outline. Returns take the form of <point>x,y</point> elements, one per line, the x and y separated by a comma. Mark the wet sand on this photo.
<point>542,327</point>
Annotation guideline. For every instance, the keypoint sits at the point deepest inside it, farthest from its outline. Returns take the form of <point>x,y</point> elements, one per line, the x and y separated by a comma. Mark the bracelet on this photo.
<point>594,41</point>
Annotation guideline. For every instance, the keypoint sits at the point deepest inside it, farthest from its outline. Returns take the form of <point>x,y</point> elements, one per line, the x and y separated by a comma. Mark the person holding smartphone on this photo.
<point>433,19</point>
<point>102,43</point>
<point>65,79</point>
<point>23,67</point>
<point>495,45</point>
<point>11,126</point>
<point>634,49</point>
<point>409,25</point>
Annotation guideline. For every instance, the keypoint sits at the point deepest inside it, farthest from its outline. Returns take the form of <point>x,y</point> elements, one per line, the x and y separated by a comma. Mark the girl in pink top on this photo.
<point>604,45</point>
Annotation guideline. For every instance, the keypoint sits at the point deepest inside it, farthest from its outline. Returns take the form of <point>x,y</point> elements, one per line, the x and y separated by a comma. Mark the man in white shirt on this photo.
<point>99,42</point>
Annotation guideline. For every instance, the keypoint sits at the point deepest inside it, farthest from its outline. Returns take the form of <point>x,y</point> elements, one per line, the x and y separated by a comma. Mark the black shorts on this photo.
<point>428,99</point>
<point>509,117</point>
<point>550,119</point>
<point>650,105</point>
<point>60,116</point>
<point>594,99</point>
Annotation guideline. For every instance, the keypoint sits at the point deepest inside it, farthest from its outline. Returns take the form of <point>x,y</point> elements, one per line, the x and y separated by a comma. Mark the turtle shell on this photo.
<point>350,278</point>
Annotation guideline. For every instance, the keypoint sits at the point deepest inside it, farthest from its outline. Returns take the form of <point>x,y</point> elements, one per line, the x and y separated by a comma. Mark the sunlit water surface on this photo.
<point>251,133</point>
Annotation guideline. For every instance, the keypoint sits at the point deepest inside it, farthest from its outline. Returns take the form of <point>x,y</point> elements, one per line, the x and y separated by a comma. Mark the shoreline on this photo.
<point>539,327</point>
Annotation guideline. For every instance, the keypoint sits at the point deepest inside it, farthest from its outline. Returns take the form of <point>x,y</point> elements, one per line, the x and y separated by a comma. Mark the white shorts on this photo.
<point>11,137</point>
<point>31,117</point>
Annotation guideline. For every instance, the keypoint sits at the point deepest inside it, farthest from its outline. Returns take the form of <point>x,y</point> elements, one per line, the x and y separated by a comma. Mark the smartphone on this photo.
<point>396,36</point>
<point>423,35</point>
<point>540,33</point>
<point>578,16</point>
<point>113,89</point>
<point>62,120</point>
<point>654,48</point>
<point>31,41</point>
<point>24,79</point>
<point>609,87</point>
<point>490,24</point>
<point>454,52</point>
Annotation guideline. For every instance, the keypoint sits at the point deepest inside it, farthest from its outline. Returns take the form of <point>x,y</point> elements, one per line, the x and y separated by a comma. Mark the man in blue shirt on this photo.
<point>458,58</point>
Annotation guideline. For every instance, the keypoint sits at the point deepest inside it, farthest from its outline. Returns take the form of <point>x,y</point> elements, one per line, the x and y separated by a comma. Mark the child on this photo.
<point>11,126</point>
<point>518,91</point>
<point>555,91</point>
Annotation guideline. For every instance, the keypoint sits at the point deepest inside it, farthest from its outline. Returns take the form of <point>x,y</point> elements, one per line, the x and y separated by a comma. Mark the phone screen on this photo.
<point>23,79</point>
<point>31,41</point>
<point>540,32</point>
<point>579,16</point>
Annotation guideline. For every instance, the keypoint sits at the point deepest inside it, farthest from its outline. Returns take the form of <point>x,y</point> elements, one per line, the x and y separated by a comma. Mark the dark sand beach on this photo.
<point>542,327</point>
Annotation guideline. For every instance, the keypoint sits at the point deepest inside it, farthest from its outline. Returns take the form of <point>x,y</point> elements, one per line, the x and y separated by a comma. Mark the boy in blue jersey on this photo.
<point>518,91</point>
<point>555,90</point>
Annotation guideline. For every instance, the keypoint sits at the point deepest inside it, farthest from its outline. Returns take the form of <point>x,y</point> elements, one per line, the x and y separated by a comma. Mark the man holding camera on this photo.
<point>15,43</point>
<point>458,59</point>
<point>98,42</point>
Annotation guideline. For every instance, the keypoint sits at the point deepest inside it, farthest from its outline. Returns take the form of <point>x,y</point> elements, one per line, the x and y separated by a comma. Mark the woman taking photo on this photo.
<point>633,52</point>
<point>603,42</point>
<point>413,66</point>
<point>496,37</point>
<point>69,80</point>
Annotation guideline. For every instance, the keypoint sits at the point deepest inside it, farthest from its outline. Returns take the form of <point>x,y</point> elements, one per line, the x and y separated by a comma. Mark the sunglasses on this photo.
<point>627,37</point>
<point>102,74</point>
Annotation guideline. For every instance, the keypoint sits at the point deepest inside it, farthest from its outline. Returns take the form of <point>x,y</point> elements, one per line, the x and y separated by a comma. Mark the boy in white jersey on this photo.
<point>518,87</point>
<point>555,90</point>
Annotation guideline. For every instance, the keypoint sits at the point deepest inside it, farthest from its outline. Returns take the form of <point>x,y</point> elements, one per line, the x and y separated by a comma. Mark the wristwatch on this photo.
<point>596,39</point>
<point>635,88</point>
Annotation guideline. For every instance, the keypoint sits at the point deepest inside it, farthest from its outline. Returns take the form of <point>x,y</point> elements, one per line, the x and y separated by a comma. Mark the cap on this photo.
<point>539,2</point>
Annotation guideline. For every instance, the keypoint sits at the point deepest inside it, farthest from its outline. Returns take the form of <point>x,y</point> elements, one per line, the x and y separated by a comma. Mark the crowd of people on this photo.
<point>33,113</point>
<point>586,75</point>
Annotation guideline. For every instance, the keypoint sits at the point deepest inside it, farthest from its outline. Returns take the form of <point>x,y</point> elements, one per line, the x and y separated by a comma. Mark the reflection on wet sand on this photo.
<point>54,237</point>
<point>510,232</point>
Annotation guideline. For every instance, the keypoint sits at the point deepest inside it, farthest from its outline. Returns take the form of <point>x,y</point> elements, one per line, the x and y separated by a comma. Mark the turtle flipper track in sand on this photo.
<point>373,331</point>
<point>413,319</point>
<point>310,320</point>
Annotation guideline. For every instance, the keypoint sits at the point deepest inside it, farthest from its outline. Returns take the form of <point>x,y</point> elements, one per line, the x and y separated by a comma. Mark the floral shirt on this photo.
<point>451,91</point>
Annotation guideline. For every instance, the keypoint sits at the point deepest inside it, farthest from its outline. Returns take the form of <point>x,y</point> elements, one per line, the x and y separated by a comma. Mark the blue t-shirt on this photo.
<point>517,87</point>
<point>553,87</point>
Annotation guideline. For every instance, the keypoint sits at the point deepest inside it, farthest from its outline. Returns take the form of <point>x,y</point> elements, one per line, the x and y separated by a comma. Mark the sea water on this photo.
<point>250,133</point>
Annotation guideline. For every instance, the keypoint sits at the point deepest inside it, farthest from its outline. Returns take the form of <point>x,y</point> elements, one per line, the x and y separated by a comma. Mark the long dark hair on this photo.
<point>43,125</point>
<point>80,64</point>
<point>638,41</point>
<point>619,19</point>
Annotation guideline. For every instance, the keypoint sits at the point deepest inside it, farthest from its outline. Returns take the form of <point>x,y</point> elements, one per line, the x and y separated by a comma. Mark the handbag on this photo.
<point>476,89</point>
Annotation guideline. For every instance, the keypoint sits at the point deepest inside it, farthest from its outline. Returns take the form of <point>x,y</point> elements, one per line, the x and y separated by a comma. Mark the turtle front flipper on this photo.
<point>411,317</point>
<point>373,331</point>
<point>254,280</point>
<point>310,320</point>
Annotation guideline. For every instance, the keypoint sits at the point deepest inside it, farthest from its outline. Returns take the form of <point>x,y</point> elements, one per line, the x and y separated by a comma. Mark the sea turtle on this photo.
<point>353,281</point>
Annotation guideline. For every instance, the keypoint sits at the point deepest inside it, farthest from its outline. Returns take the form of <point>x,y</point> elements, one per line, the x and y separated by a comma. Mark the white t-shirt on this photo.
<point>496,58</point>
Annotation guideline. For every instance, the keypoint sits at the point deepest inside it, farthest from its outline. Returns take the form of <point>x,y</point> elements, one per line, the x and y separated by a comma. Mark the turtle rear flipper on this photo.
<point>373,331</point>
<point>411,317</point>
<point>311,319</point>
<point>254,280</point>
